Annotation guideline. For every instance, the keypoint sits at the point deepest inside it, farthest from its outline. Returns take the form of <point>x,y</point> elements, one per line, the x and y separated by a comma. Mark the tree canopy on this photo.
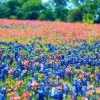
<point>59,10</point>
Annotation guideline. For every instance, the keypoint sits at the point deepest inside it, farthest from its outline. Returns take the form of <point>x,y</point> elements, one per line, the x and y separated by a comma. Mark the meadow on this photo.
<point>47,60</point>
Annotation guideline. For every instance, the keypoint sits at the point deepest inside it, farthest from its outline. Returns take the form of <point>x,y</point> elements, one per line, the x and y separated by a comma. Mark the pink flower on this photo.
<point>26,63</point>
<point>11,71</point>
<point>59,87</point>
<point>89,92</point>
<point>42,75</point>
<point>15,98</point>
<point>99,98</point>
<point>52,62</point>
<point>0,51</point>
<point>34,84</point>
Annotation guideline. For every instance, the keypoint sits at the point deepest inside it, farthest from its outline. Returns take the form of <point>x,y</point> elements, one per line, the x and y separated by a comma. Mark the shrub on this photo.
<point>88,18</point>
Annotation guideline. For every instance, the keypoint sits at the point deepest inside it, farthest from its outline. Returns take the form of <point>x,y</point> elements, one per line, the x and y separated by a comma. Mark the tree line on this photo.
<point>55,10</point>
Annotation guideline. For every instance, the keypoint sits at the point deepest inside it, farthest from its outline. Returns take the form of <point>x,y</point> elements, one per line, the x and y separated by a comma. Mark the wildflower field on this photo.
<point>46,60</point>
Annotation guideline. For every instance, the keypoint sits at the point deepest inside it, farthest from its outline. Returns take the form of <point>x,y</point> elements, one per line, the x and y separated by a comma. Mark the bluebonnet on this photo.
<point>53,73</point>
<point>2,97</point>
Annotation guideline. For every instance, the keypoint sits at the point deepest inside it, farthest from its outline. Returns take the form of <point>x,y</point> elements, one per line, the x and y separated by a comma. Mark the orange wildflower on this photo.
<point>25,95</point>
<point>98,90</point>
<point>81,76</point>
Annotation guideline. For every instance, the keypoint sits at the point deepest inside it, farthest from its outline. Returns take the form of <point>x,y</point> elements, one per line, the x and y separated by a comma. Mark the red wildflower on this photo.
<point>99,98</point>
<point>68,70</point>
<point>26,62</point>
<point>52,62</point>
<point>15,98</point>
<point>89,92</point>
<point>81,76</point>
<point>11,71</point>
<point>59,87</point>
<point>11,93</point>
<point>0,51</point>
<point>34,84</point>
<point>25,95</point>
<point>17,84</point>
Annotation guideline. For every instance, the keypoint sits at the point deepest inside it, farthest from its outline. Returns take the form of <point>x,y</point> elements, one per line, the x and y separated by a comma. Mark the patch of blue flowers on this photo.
<point>65,72</point>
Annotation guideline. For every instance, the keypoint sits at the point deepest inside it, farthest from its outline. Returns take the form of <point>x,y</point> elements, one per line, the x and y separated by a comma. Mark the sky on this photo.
<point>45,0</point>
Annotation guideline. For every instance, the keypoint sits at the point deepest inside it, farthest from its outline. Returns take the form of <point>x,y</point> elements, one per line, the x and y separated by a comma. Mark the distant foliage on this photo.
<point>87,11</point>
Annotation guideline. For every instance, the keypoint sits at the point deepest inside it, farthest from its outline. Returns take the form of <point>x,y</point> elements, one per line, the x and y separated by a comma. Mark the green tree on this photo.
<point>81,10</point>
<point>60,14</point>
<point>74,15</point>
<point>60,9</point>
<point>1,11</point>
<point>47,12</point>
<point>30,9</point>
<point>9,8</point>
<point>59,3</point>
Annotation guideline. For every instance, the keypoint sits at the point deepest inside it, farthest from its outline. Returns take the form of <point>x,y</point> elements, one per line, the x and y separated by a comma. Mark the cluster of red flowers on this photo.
<point>25,30</point>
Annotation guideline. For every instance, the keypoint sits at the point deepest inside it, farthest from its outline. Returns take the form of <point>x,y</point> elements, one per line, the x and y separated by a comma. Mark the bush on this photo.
<point>58,20</point>
<point>13,17</point>
<point>88,18</point>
